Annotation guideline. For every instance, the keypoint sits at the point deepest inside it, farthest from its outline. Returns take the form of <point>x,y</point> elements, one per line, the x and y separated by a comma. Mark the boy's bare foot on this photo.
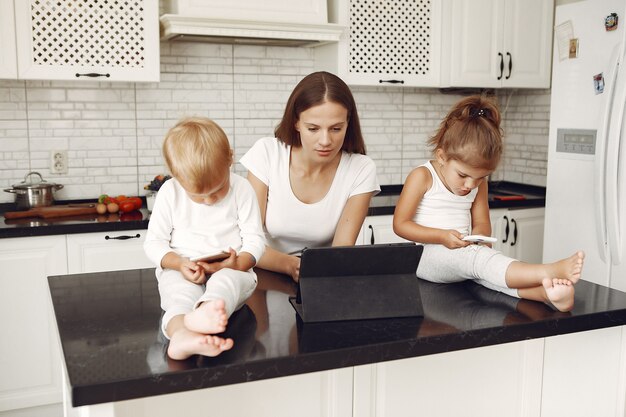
<point>185,343</point>
<point>209,318</point>
<point>568,268</point>
<point>560,292</point>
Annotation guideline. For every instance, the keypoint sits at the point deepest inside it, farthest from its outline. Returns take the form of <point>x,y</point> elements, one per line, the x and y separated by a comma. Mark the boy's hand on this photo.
<point>212,267</point>
<point>192,272</point>
<point>452,239</point>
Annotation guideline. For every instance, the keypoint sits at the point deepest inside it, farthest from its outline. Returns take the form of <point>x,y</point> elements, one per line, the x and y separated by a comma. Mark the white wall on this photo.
<point>113,131</point>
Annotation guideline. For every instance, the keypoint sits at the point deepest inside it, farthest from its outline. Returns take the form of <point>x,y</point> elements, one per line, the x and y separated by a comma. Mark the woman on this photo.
<point>313,180</point>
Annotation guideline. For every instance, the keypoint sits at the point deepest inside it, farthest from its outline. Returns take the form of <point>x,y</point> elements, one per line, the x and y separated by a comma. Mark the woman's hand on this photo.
<point>452,239</point>
<point>294,268</point>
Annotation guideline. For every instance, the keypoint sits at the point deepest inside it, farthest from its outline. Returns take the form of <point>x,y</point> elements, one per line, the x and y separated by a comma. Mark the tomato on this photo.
<point>121,198</point>
<point>126,206</point>
<point>136,201</point>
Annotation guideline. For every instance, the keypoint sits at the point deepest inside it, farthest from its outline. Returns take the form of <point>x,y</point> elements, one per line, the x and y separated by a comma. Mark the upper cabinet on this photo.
<point>442,43</point>
<point>388,42</point>
<point>98,40</point>
<point>499,43</point>
<point>8,62</point>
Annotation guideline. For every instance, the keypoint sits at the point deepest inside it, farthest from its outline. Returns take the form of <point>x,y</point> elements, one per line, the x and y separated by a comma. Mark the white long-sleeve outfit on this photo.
<point>442,209</point>
<point>178,224</point>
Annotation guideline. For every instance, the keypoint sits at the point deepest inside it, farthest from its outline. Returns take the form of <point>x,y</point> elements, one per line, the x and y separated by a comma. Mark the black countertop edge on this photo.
<point>182,381</point>
<point>69,229</point>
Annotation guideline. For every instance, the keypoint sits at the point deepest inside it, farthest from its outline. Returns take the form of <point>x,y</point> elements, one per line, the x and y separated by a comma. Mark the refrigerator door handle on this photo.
<point>600,173</point>
<point>613,224</point>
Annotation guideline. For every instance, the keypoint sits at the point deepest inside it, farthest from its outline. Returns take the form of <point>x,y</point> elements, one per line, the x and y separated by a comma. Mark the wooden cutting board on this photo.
<point>53,211</point>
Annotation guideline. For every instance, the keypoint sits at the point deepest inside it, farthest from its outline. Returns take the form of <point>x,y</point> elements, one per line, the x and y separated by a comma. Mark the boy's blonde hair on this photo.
<point>197,151</point>
<point>471,133</point>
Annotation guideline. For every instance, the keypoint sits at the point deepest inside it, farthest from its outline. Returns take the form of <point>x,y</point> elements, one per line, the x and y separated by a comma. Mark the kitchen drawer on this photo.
<point>106,251</point>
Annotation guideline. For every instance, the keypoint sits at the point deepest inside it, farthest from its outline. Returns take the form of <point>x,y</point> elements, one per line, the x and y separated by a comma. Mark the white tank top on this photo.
<point>442,209</point>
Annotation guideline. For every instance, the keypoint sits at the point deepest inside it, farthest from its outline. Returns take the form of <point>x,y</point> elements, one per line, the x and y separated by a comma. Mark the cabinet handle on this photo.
<point>514,232</point>
<point>501,65</point>
<point>92,75</point>
<point>372,241</point>
<point>506,230</point>
<point>391,81</point>
<point>123,237</point>
<point>510,65</point>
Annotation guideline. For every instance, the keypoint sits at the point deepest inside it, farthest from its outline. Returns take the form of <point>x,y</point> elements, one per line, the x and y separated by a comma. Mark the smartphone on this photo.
<point>480,239</point>
<point>211,257</point>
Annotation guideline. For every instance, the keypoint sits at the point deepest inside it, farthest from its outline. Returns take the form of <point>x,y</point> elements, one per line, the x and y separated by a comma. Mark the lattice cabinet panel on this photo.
<point>392,37</point>
<point>112,40</point>
<point>386,41</point>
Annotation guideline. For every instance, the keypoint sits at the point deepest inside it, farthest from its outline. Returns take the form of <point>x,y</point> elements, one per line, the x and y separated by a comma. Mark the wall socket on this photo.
<point>58,162</point>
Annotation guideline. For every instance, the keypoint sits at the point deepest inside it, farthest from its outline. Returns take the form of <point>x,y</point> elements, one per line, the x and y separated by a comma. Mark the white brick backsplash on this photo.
<point>113,132</point>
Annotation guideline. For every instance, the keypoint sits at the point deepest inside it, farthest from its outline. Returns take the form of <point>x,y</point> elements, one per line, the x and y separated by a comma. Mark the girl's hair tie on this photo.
<point>479,112</point>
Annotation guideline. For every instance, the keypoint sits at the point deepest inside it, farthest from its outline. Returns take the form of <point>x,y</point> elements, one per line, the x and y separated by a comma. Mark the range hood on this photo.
<point>192,28</point>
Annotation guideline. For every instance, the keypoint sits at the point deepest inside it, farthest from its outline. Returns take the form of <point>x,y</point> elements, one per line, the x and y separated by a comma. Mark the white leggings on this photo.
<point>480,263</point>
<point>179,296</point>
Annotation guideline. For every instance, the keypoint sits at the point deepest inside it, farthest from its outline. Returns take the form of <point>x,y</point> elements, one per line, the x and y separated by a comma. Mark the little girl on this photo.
<point>446,199</point>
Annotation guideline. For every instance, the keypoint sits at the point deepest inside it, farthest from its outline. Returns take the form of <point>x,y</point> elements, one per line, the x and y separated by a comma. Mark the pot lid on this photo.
<point>28,184</point>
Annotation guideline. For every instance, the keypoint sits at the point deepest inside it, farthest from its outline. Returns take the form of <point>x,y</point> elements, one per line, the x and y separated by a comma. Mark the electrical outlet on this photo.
<point>58,162</point>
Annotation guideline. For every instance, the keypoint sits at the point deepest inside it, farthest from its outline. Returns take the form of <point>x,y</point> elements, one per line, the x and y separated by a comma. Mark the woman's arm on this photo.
<point>351,219</point>
<point>273,260</point>
<point>415,186</point>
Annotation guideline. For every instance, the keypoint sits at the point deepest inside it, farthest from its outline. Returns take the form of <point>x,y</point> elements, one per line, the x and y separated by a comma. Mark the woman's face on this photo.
<point>322,130</point>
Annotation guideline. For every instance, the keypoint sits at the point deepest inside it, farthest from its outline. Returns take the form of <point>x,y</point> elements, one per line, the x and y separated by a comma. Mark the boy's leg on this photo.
<point>178,297</point>
<point>226,291</point>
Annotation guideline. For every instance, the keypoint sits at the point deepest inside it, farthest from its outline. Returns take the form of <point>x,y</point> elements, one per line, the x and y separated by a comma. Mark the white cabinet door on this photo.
<point>8,62</point>
<point>108,251</point>
<point>476,382</point>
<point>327,393</point>
<point>500,43</point>
<point>519,232</point>
<point>526,240</point>
<point>103,41</point>
<point>30,358</point>
<point>378,229</point>
<point>397,43</point>
<point>585,374</point>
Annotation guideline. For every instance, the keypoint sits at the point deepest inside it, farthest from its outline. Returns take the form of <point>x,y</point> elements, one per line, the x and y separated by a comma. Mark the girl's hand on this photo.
<point>192,272</point>
<point>212,267</point>
<point>294,268</point>
<point>452,239</point>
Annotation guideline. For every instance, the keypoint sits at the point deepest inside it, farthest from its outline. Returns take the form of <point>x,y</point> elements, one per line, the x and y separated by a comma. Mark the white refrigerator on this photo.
<point>586,178</point>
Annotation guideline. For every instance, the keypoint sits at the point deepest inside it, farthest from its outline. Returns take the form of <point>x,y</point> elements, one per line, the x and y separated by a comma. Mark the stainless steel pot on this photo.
<point>30,194</point>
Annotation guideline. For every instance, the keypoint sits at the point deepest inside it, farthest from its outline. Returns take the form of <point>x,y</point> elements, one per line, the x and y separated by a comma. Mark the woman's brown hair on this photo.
<point>471,132</point>
<point>313,90</point>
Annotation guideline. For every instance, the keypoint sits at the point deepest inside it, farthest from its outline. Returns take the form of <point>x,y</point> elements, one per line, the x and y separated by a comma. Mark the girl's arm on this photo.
<point>415,186</point>
<point>273,260</point>
<point>351,219</point>
<point>481,222</point>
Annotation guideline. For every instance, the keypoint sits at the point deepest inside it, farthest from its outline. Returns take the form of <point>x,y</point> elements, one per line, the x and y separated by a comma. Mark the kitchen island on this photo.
<point>529,358</point>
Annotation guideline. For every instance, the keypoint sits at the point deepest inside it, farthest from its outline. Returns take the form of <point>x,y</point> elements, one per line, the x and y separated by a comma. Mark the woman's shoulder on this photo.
<point>270,144</point>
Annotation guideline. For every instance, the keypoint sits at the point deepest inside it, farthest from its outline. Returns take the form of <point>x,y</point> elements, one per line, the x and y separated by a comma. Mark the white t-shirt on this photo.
<point>191,229</point>
<point>442,209</point>
<point>290,224</point>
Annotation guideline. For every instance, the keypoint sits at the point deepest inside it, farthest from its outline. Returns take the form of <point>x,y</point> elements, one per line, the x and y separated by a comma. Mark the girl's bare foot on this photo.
<point>568,268</point>
<point>209,318</point>
<point>185,343</point>
<point>560,293</point>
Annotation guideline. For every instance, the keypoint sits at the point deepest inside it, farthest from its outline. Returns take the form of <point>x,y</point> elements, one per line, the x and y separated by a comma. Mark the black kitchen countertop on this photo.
<point>382,204</point>
<point>109,330</point>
